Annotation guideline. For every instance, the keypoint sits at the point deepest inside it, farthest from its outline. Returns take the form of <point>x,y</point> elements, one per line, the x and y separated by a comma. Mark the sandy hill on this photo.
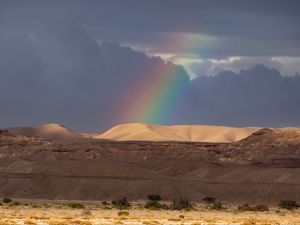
<point>51,131</point>
<point>203,133</point>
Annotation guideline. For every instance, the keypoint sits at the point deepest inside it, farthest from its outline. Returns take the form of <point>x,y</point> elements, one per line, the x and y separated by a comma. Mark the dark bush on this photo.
<point>113,202</point>
<point>155,205</point>
<point>121,203</point>
<point>209,200</point>
<point>105,203</point>
<point>76,205</point>
<point>261,208</point>
<point>288,204</point>
<point>181,203</point>
<point>257,208</point>
<point>14,203</point>
<point>217,206</point>
<point>154,197</point>
<point>6,200</point>
<point>244,207</point>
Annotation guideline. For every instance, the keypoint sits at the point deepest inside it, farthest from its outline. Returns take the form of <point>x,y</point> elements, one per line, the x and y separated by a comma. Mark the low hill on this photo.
<point>197,133</point>
<point>51,131</point>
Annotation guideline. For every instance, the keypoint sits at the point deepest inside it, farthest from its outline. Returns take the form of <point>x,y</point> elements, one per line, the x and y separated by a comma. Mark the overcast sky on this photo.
<point>60,60</point>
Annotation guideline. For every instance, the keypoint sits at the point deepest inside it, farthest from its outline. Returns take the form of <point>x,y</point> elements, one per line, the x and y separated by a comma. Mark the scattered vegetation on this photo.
<point>209,201</point>
<point>14,203</point>
<point>257,208</point>
<point>180,204</point>
<point>121,203</point>
<point>261,208</point>
<point>181,216</point>
<point>244,207</point>
<point>156,205</point>
<point>105,203</point>
<point>76,205</point>
<point>217,206</point>
<point>213,204</point>
<point>288,204</point>
<point>123,213</point>
<point>154,197</point>
<point>6,200</point>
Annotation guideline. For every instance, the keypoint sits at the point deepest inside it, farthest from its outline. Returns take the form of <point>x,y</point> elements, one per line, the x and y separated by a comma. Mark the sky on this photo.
<point>93,64</point>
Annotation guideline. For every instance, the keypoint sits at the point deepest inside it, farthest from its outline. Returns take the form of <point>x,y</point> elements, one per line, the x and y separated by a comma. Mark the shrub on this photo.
<point>123,213</point>
<point>105,203</point>
<point>181,216</point>
<point>261,208</point>
<point>258,208</point>
<point>76,205</point>
<point>209,200</point>
<point>217,206</point>
<point>154,197</point>
<point>244,207</point>
<point>155,205</point>
<point>14,203</point>
<point>288,204</point>
<point>181,203</point>
<point>121,203</point>
<point>6,200</point>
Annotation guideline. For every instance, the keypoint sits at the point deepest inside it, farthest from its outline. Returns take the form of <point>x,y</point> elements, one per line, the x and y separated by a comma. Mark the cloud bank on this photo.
<point>60,74</point>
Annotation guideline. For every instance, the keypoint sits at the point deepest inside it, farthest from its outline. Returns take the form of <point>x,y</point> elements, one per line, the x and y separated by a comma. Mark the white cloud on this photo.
<point>288,66</point>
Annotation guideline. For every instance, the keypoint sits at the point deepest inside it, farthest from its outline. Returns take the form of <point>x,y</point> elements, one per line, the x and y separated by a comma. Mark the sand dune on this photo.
<point>203,133</point>
<point>51,131</point>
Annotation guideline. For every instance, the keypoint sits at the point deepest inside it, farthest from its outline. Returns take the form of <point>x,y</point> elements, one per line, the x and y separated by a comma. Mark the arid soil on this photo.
<point>58,214</point>
<point>262,168</point>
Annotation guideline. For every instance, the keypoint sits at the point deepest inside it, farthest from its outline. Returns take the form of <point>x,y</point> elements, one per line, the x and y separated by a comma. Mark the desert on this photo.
<point>262,167</point>
<point>173,112</point>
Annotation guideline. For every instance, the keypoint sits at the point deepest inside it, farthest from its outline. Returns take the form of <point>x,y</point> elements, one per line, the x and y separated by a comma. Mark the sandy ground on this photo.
<point>59,214</point>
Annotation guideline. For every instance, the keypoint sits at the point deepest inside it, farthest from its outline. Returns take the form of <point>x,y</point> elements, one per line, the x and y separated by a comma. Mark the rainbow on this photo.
<point>154,99</point>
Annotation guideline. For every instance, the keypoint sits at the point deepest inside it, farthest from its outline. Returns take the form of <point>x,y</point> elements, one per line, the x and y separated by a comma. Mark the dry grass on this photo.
<point>91,215</point>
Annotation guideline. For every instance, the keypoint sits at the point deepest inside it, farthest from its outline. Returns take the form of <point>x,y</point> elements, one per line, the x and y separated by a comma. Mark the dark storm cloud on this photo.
<point>56,72</point>
<point>258,96</point>
<point>244,28</point>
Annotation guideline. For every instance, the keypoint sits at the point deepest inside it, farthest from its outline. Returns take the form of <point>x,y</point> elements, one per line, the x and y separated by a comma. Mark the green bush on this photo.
<point>6,200</point>
<point>288,204</point>
<point>121,203</point>
<point>181,203</point>
<point>76,205</point>
<point>154,197</point>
